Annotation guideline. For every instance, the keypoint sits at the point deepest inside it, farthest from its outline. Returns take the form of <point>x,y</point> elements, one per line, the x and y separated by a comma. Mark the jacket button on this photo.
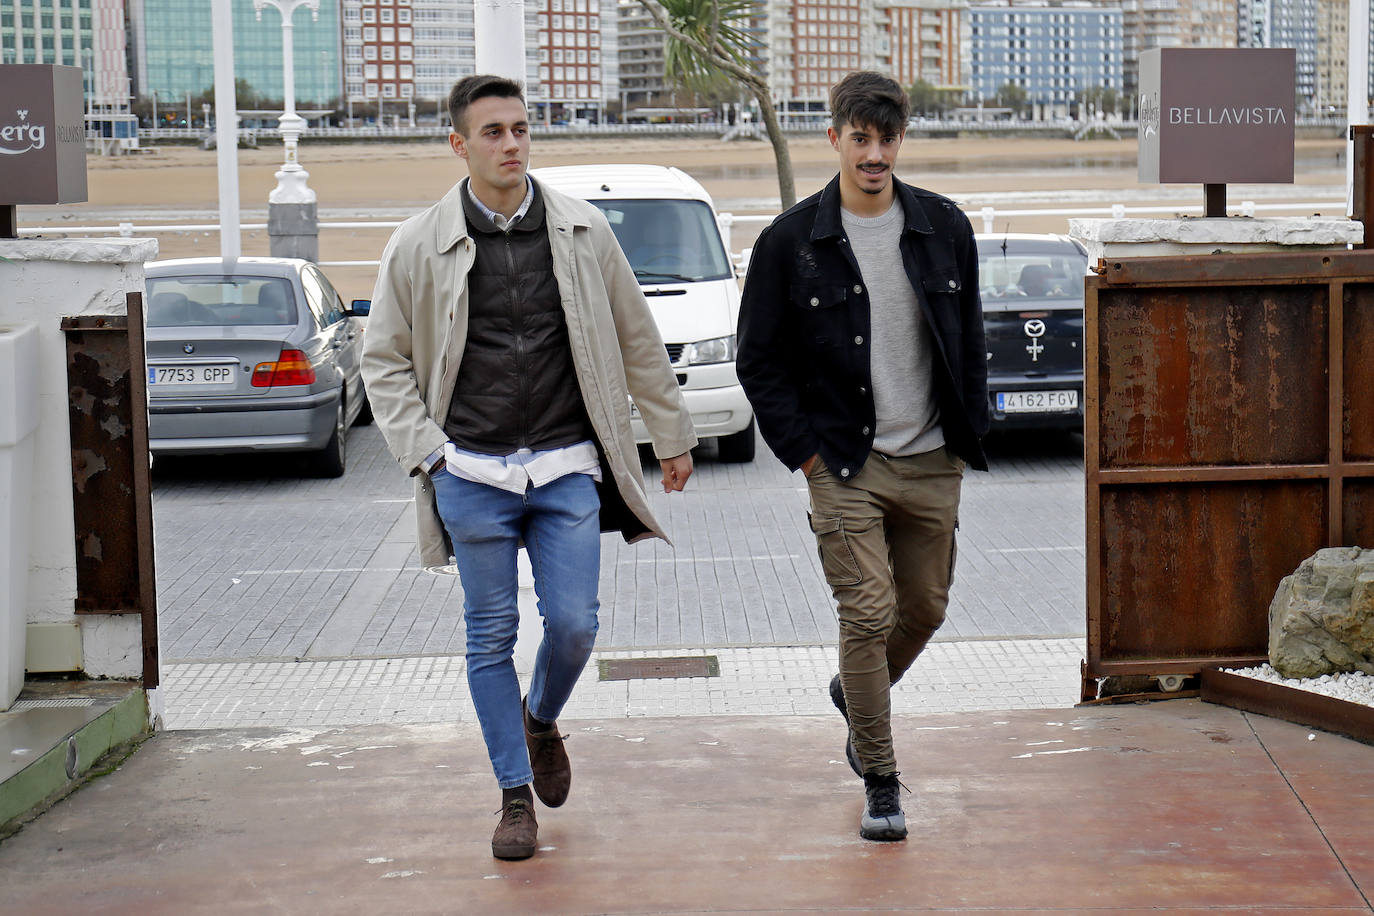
<point>865,430</point>
<point>952,284</point>
<point>859,340</point>
<point>858,288</point>
<point>815,302</point>
<point>863,390</point>
<point>844,472</point>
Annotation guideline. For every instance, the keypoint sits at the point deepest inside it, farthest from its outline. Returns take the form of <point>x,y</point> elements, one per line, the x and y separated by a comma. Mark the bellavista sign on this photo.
<point>42,135</point>
<point>1217,115</point>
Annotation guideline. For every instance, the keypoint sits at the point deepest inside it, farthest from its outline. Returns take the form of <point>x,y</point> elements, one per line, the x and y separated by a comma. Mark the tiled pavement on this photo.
<point>952,676</point>
<point>256,562</point>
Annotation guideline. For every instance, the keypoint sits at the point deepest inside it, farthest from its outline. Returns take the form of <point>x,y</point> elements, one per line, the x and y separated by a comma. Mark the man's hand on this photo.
<point>806,465</point>
<point>676,471</point>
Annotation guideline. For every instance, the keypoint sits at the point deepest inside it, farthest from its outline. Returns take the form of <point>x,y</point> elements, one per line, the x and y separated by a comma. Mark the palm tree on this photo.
<point>707,41</point>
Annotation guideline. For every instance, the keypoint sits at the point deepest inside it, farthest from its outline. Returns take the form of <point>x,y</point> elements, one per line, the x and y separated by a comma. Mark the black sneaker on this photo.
<point>837,697</point>
<point>883,818</point>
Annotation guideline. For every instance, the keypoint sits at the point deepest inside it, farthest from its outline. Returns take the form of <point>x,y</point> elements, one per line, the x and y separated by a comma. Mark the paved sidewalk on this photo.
<point>951,676</point>
<point>1178,807</point>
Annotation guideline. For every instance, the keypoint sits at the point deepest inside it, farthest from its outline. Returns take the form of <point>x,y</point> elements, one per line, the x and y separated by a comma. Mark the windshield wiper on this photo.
<point>641,274</point>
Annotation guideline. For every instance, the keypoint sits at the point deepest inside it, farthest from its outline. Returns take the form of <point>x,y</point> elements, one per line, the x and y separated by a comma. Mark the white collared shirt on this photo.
<point>498,219</point>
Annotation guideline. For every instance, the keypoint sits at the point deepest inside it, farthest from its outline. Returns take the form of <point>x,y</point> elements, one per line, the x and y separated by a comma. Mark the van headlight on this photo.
<point>715,350</point>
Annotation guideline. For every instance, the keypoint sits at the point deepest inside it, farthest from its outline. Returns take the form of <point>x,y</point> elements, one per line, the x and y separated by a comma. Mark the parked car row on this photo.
<point>263,355</point>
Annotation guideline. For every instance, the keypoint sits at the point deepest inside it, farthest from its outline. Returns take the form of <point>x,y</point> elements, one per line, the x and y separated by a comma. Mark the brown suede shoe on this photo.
<point>548,761</point>
<point>515,835</point>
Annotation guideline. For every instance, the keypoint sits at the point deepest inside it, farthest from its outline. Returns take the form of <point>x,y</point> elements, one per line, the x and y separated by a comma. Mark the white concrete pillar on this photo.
<point>499,30</point>
<point>47,280</point>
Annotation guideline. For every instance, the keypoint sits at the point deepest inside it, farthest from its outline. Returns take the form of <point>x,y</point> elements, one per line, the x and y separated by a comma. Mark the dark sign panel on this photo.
<point>42,135</point>
<point>1217,115</point>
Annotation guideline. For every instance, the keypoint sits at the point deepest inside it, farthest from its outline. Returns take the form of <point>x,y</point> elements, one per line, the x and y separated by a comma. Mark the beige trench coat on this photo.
<point>418,327</point>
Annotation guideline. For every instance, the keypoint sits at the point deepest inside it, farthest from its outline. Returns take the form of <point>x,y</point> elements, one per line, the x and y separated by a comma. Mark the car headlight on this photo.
<point>715,350</point>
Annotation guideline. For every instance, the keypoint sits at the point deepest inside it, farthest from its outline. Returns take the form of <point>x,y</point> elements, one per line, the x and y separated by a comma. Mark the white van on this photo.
<point>665,222</point>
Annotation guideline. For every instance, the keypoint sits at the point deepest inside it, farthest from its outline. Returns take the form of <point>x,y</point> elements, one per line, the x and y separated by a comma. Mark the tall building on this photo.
<point>808,45</point>
<point>1284,24</point>
<point>174,50</point>
<point>577,48</point>
<point>379,50</point>
<point>640,57</point>
<point>1054,50</point>
<point>1150,24</point>
<point>922,40</point>
<point>75,33</point>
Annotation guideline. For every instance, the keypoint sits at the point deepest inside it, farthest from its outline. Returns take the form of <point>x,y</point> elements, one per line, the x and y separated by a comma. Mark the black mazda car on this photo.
<point>1032,291</point>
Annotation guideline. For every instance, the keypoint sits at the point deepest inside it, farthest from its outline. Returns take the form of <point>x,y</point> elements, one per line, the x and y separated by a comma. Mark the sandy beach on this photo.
<point>391,180</point>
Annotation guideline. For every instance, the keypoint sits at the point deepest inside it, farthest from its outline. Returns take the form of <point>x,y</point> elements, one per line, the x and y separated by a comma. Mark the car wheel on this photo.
<point>364,417</point>
<point>331,460</point>
<point>738,447</point>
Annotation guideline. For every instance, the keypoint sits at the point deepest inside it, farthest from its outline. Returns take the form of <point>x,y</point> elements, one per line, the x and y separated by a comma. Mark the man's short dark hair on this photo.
<point>868,99</point>
<point>471,88</point>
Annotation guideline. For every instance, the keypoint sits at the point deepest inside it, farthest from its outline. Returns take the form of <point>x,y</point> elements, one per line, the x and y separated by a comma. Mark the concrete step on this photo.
<point>55,733</point>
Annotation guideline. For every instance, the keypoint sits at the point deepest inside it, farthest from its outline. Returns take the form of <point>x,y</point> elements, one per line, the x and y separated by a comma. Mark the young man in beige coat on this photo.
<point>506,337</point>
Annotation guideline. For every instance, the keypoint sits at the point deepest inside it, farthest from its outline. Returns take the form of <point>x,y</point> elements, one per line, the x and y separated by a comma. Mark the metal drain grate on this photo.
<point>53,704</point>
<point>630,669</point>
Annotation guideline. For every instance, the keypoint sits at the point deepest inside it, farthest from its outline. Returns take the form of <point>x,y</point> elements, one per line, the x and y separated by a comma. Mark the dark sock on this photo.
<point>510,795</point>
<point>536,725</point>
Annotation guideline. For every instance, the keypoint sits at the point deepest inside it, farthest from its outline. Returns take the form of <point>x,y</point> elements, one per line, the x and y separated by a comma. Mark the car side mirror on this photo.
<point>359,308</point>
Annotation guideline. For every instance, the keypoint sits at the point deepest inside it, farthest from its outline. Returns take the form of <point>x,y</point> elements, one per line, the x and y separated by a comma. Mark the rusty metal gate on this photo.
<point>1229,434</point>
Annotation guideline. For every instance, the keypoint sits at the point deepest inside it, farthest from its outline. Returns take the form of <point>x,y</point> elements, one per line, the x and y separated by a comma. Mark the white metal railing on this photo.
<point>727,221</point>
<point>794,121</point>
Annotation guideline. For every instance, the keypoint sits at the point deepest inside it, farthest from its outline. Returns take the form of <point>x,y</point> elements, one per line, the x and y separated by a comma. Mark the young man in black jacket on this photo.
<point>861,348</point>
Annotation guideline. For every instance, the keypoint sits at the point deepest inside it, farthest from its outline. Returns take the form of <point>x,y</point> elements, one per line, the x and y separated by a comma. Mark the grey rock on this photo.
<point>1322,618</point>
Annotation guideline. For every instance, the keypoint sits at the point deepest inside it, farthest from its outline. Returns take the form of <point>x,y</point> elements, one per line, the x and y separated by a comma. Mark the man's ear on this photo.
<point>834,137</point>
<point>459,145</point>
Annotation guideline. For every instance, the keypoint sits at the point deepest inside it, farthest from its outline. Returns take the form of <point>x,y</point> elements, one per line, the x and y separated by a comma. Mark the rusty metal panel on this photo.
<point>1358,517</point>
<point>111,489</point>
<point>1357,405</point>
<point>1229,435</point>
<point>1190,569</point>
<point>1354,720</point>
<point>1235,375</point>
<point>630,669</point>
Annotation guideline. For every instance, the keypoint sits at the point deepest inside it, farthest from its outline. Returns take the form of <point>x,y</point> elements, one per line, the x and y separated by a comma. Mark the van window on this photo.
<point>668,239</point>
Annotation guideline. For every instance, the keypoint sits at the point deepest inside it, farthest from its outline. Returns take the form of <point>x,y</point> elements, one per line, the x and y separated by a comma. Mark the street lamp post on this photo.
<point>293,227</point>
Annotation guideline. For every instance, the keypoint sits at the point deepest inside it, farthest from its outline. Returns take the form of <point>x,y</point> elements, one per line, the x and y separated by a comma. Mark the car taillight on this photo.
<point>291,368</point>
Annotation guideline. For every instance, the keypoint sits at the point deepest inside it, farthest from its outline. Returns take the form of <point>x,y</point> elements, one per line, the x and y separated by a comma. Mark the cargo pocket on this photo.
<point>953,551</point>
<point>837,559</point>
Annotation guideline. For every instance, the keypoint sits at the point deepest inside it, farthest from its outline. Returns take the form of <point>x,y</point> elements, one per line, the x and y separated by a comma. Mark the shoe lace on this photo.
<point>514,812</point>
<point>884,798</point>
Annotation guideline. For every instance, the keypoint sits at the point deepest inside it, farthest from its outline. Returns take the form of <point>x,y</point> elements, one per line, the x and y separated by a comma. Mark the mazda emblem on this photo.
<point>1035,327</point>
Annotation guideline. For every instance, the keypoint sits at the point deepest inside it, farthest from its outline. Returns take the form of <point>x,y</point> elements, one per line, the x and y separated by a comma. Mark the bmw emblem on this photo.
<point>188,348</point>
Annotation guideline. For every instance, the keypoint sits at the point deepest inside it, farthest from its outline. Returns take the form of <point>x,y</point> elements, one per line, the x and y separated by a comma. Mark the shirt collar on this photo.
<point>498,219</point>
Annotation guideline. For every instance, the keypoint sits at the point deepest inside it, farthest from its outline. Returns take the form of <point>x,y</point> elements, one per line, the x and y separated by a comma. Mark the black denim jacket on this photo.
<point>804,330</point>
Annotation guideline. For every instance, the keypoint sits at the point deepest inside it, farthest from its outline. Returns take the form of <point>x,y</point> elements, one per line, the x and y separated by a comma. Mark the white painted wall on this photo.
<point>44,281</point>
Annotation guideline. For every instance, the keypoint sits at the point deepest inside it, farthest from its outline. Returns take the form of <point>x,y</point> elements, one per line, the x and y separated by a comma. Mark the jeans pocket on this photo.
<point>837,558</point>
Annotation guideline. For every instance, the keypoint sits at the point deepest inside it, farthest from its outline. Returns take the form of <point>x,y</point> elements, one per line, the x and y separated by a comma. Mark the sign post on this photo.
<point>1217,116</point>
<point>42,139</point>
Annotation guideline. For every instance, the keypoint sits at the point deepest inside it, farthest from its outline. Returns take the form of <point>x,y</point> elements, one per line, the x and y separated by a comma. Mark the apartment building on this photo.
<point>1150,24</point>
<point>1052,50</point>
<point>577,66</point>
<point>75,33</point>
<point>923,40</point>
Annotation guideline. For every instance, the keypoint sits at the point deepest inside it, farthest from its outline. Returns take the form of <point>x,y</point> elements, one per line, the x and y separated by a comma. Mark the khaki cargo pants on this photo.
<point>887,545</point>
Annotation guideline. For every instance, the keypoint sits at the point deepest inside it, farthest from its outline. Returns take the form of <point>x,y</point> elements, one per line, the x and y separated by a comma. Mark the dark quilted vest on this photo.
<point>517,387</point>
